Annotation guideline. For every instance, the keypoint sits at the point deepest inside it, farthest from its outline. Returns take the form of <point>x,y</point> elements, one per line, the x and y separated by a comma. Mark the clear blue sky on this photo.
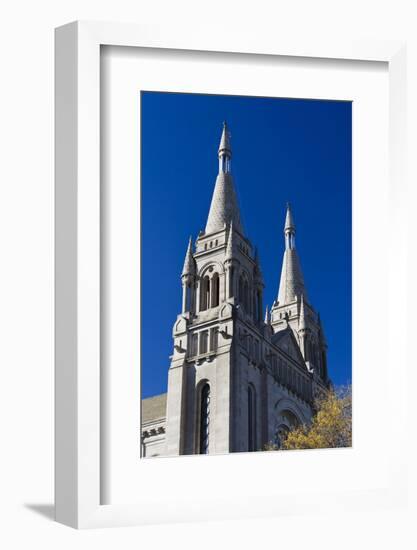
<point>283,150</point>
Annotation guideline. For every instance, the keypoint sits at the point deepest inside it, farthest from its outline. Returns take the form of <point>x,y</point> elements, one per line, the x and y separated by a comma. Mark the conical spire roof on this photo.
<point>224,207</point>
<point>189,264</point>
<point>292,281</point>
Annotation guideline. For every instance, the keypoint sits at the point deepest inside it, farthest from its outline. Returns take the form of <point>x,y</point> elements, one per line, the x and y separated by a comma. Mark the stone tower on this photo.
<point>236,380</point>
<point>292,308</point>
<point>221,281</point>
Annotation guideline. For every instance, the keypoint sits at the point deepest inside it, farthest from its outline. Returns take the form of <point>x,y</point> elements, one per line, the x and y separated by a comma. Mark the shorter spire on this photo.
<point>291,282</point>
<point>189,265</point>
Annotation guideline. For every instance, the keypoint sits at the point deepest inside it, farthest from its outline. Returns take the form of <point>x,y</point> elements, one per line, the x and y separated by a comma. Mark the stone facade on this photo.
<point>237,380</point>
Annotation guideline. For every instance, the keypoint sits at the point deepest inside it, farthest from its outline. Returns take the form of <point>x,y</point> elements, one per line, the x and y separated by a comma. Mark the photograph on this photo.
<point>246,274</point>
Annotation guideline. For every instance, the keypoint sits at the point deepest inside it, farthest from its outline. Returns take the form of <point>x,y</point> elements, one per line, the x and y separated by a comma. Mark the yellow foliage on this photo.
<point>331,426</point>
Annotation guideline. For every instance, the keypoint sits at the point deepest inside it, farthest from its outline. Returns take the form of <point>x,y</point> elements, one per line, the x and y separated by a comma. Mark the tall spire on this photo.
<point>189,265</point>
<point>224,206</point>
<point>292,281</point>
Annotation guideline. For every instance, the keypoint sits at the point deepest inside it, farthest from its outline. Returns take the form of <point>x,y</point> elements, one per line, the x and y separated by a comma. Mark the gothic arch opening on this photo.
<point>204,293</point>
<point>215,290</point>
<point>209,289</point>
<point>203,420</point>
<point>287,420</point>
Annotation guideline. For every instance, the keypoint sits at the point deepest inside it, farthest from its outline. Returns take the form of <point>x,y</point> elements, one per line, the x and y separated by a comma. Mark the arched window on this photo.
<point>251,419</point>
<point>204,419</point>
<point>205,293</point>
<point>231,282</point>
<point>215,290</point>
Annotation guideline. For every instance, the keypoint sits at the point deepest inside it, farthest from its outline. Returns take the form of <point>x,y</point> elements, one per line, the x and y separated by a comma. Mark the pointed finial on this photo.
<point>229,245</point>
<point>289,221</point>
<point>189,266</point>
<point>267,318</point>
<point>225,147</point>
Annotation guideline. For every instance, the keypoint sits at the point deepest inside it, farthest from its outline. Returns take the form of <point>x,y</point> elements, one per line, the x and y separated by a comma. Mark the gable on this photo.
<point>286,341</point>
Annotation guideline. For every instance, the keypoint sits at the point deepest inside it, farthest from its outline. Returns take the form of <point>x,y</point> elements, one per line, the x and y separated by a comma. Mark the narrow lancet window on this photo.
<point>215,291</point>
<point>204,419</point>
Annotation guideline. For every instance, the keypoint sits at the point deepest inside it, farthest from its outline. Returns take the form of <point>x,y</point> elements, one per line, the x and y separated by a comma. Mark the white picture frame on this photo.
<point>78,261</point>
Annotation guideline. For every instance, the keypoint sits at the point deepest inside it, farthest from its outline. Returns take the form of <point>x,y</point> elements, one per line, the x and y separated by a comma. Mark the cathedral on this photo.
<point>238,379</point>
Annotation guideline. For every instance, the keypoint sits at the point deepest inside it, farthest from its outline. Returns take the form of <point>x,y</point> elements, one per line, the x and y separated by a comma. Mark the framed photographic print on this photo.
<point>221,253</point>
<point>244,377</point>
